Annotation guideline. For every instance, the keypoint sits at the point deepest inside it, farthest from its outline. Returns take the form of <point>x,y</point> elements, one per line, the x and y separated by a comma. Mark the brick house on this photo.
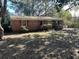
<point>31,22</point>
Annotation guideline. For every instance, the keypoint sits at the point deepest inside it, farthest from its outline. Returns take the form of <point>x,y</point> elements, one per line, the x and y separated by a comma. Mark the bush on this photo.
<point>5,22</point>
<point>74,25</point>
<point>24,29</point>
<point>66,17</point>
<point>46,26</point>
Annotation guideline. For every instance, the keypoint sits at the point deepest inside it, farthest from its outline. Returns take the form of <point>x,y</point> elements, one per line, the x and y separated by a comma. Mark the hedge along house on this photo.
<point>32,23</point>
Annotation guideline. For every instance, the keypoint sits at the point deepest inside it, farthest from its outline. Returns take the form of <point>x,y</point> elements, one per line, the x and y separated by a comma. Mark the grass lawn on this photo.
<point>44,45</point>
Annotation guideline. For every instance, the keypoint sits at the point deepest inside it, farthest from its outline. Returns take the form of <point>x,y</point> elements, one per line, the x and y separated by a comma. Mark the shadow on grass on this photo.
<point>53,47</point>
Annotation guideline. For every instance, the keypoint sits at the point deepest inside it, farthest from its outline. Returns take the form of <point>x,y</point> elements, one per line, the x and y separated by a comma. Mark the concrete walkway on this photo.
<point>24,34</point>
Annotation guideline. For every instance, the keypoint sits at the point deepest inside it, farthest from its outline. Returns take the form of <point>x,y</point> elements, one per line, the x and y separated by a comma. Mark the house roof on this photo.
<point>33,18</point>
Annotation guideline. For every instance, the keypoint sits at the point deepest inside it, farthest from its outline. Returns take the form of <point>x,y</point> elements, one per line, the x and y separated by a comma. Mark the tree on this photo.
<point>66,17</point>
<point>39,7</point>
<point>60,3</point>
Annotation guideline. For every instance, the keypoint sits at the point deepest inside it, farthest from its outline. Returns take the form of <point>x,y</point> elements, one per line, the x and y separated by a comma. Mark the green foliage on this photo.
<point>68,20</point>
<point>24,29</point>
<point>75,24</point>
<point>5,22</point>
<point>66,17</point>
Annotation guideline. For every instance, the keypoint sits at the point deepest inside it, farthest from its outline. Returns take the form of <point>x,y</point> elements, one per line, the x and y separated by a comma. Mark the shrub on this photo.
<point>46,26</point>
<point>66,17</point>
<point>24,29</point>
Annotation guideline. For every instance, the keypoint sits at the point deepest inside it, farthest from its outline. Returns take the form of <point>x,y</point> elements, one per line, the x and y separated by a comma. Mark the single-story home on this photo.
<point>30,22</point>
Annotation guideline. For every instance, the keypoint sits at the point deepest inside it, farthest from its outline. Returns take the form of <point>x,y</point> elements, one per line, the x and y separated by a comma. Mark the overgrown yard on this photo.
<point>55,45</point>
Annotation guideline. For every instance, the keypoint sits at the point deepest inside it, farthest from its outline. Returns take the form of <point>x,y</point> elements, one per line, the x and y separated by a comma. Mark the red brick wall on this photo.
<point>33,24</point>
<point>15,24</point>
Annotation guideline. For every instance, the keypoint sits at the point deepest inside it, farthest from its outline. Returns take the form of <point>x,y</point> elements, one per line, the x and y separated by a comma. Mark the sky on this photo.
<point>9,8</point>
